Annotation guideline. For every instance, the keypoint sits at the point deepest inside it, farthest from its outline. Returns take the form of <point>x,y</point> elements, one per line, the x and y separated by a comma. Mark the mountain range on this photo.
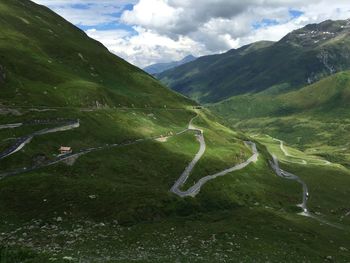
<point>302,57</point>
<point>160,67</point>
<point>101,162</point>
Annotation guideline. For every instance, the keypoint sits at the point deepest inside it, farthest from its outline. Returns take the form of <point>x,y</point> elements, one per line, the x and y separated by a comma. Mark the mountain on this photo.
<point>328,96</point>
<point>160,67</point>
<point>300,58</point>
<point>313,118</point>
<point>96,157</point>
<point>78,72</point>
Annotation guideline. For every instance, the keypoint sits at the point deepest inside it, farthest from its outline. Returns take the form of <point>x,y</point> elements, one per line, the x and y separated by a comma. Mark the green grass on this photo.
<point>314,119</point>
<point>326,98</point>
<point>132,187</point>
<point>124,167</point>
<point>50,62</point>
<point>57,211</point>
<point>224,149</point>
<point>327,183</point>
<point>244,234</point>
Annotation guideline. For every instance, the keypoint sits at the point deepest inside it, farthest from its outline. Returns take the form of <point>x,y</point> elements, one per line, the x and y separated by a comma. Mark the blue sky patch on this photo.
<point>109,26</point>
<point>81,6</point>
<point>114,25</point>
<point>265,23</point>
<point>295,13</point>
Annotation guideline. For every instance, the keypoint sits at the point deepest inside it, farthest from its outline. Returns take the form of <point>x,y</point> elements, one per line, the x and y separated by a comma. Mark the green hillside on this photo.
<point>302,57</point>
<point>327,96</point>
<point>314,118</point>
<point>49,62</point>
<point>109,200</point>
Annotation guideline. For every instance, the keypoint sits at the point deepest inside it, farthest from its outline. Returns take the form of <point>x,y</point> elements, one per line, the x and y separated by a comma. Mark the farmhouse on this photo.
<point>65,150</point>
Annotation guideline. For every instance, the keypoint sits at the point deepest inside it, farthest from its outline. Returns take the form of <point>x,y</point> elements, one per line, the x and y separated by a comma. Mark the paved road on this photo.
<point>68,126</point>
<point>22,141</point>
<point>195,189</point>
<point>192,191</point>
<point>184,176</point>
<point>281,173</point>
<point>10,126</point>
<point>286,153</point>
<point>304,162</point>
<point>305,196</point>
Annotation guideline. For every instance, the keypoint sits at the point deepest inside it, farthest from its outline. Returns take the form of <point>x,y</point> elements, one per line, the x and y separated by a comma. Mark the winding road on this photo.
<point>286,153</point>
<point>10,126</point>
<point>195,189</point>
<point>22,141</point>
<point>192,191</point>
<point>305,196</point>
<point>303,162</point>
<point>281,173</point>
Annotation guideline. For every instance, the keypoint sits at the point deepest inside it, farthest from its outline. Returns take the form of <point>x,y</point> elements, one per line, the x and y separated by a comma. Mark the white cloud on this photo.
<point>152,13</point>
<point>170,29</point>
<point>215,26</point>
<point>146,46</point>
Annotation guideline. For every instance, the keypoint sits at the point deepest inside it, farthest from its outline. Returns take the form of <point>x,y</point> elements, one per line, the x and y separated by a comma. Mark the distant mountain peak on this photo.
<point>189,57</point>
<point>302,57</point>
<point>317,34</point>
<point>161,67</point>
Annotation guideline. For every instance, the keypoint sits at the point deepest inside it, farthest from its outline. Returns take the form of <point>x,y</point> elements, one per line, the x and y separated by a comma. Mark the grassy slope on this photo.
<point>234,216</point>
<point>130,184</point>
<point>315,118</point>
<point>330,95</point>
<point>50,62</point>
<point>297,58</point>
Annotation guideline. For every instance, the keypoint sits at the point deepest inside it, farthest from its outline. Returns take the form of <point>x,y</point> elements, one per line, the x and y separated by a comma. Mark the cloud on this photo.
<point>186,16</point>
<point>146,46</point>
<point>152,31</point>
<point>219,25</point>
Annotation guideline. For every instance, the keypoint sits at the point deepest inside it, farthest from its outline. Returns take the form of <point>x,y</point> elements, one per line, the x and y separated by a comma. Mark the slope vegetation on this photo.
<point>47,61</point>
<point>300,58</point>
<point>314,118</point>
<point>109,200</point>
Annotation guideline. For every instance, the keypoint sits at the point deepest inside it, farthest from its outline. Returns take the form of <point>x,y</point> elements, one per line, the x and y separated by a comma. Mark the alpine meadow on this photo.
<point>218,154</point>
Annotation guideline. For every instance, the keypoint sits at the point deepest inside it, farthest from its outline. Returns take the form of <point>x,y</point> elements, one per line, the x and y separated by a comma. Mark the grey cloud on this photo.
<point>170,29</point>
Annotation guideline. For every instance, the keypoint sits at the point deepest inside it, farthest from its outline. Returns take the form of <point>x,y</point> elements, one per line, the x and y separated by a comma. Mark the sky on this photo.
<point>145,32</point>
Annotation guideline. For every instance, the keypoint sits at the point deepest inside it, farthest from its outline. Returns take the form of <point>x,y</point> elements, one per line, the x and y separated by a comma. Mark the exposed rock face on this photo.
<point>324,57</point>
<point>317,34</point>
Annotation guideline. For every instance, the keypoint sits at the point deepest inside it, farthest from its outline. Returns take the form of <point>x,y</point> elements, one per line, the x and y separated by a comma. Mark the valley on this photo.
<point>240,161</point>
<point>76,194</point>
<point>302,123</point>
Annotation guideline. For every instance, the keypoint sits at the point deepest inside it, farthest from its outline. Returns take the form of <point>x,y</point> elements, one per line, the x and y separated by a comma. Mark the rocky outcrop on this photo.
<point>318,34</point>
<point>324,57</point>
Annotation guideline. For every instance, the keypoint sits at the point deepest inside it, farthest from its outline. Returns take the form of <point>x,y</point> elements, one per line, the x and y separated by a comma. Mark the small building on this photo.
<point>65,150</point>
